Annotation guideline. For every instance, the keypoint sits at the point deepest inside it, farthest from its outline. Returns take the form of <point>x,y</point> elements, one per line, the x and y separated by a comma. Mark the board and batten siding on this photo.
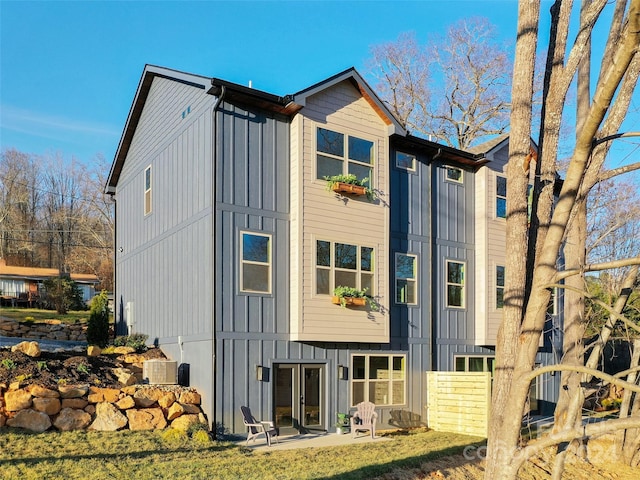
<point>324,215</point>
<point>252,195</point>
<point>164,257</point>
<point>459,402</point>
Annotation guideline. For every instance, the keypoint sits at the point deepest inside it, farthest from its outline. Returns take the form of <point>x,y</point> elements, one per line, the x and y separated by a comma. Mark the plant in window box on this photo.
<point>344,296</point>
<point>349,184</point>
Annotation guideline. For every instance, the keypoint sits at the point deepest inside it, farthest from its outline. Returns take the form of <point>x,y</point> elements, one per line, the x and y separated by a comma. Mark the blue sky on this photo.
<point>69,70</point>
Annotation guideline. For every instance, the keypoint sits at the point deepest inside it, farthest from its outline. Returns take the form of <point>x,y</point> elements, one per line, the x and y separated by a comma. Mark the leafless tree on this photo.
<point>455,89</point>
<point>532,271</point>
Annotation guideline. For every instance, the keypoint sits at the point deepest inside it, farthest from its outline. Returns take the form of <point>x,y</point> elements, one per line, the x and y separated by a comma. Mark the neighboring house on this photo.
<point>228,247</point>
<point>23,286</point>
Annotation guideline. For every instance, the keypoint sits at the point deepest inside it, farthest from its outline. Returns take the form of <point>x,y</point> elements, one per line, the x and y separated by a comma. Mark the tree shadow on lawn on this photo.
<point>117,457</point>
<point>441,460</point>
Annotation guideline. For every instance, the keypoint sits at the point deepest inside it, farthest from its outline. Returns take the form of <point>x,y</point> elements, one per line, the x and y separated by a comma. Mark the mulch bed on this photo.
<point>52,369</point>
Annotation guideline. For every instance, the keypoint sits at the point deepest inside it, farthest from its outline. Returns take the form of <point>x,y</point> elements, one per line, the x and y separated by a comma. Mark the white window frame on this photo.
<point>412,168</point>
<point>332,269</point>
<point>366,381</point>
<point>413,280</point>
<point>500,197</point>
<point>345,158</point>
<point>460,181</point>
<point>447,283</point>
<point>499,287</point>
<point>268,263</point>
<point>148,188</point>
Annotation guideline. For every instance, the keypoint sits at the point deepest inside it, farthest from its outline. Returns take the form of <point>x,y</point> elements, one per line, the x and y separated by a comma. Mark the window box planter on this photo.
<point>341,187</point>
<point>349,184</point>
<point>354,301</point>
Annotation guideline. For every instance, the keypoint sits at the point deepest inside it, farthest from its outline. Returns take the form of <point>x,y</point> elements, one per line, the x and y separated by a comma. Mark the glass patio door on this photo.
<point>299,398</point>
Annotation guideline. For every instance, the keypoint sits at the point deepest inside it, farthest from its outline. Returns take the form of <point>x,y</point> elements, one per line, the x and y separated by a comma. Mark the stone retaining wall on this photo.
<point>51,330</point>
<point>80,407</point>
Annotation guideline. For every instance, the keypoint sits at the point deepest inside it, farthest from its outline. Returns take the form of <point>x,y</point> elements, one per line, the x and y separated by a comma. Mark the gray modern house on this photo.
<point>229,246</point>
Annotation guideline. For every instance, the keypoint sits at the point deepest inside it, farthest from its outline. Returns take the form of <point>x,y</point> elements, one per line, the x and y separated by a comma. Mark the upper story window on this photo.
<point>455,284</point>
<point>406,279</point>
<point>406,161</point>
<point>343,264</point>
<point>255,259</point>
<point>380,379</point>
<point>499,286</point>
<point>147,190</point>
<point>453,174</point>
<point>501,197</point>
<point>340,154</point>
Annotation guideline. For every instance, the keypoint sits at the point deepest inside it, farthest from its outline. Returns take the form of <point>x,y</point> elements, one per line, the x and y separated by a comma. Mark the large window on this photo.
<point>380,379</point>
<point>343,264</point>
<point>147,190</point>
<point>406,278</point>
<point>340,154</point>
<point>499,286</point>
<point>255,269</point>
<point>455,284</point>
<point>501,197</point>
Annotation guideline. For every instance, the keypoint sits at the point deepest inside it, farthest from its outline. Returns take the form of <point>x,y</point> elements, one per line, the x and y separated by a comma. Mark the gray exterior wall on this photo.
<point>252,194</point>
<point>163,258</point>
<point>410,232</point>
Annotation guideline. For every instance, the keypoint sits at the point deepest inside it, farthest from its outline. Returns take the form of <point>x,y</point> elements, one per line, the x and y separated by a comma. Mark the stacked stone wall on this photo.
<point>49,330</point>
<point>85,407</point>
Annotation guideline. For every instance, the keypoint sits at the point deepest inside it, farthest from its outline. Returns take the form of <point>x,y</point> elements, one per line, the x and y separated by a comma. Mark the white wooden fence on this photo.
<point>459,402</point>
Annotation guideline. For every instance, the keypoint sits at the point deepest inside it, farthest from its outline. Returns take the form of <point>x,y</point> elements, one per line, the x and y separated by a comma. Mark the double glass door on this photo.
<point>299,398</point>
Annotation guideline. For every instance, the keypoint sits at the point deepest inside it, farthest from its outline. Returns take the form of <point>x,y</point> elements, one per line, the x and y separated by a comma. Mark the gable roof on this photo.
<point>351,74</point>
<point>489,145</point>
<point>287,105</point>
<point>135,112</point>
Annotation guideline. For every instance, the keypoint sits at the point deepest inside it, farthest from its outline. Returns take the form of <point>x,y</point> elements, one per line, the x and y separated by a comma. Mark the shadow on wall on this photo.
<point>405,419</point>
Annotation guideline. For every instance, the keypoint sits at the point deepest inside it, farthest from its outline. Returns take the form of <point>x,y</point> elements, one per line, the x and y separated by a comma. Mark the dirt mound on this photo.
<point>53,369</point>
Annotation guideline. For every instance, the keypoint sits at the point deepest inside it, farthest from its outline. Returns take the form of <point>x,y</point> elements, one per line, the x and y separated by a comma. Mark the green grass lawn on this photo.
<point>38,315</point>
<point>164,454</point>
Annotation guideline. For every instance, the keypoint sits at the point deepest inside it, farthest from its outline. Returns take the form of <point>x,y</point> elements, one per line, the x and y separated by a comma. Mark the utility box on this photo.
<point>160,372</point>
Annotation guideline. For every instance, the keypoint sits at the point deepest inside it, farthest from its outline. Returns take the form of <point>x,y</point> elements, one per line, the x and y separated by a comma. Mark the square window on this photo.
<point>453,174</point>
<point>335,156</point>
<point>343,264</point>
<point>380,379</point>
<point>405,161</point>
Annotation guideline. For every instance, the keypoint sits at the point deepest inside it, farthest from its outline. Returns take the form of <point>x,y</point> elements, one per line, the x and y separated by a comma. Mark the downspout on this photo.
<point>214,158</point>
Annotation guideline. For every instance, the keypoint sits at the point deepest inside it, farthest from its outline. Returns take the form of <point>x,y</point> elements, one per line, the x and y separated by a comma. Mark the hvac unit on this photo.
<point>160,372</point>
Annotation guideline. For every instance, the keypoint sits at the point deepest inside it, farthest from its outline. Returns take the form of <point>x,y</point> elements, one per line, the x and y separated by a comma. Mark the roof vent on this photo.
<point>160,372</point>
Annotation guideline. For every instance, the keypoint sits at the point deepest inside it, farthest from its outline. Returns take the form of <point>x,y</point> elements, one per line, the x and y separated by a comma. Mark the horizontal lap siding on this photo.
<point>324,215</point>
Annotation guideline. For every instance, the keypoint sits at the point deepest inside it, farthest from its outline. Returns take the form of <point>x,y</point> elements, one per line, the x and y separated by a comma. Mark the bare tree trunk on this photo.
<point>515,362</point>
<point>568,410</point>
<point>504,428</point>
<point>628,441</point>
